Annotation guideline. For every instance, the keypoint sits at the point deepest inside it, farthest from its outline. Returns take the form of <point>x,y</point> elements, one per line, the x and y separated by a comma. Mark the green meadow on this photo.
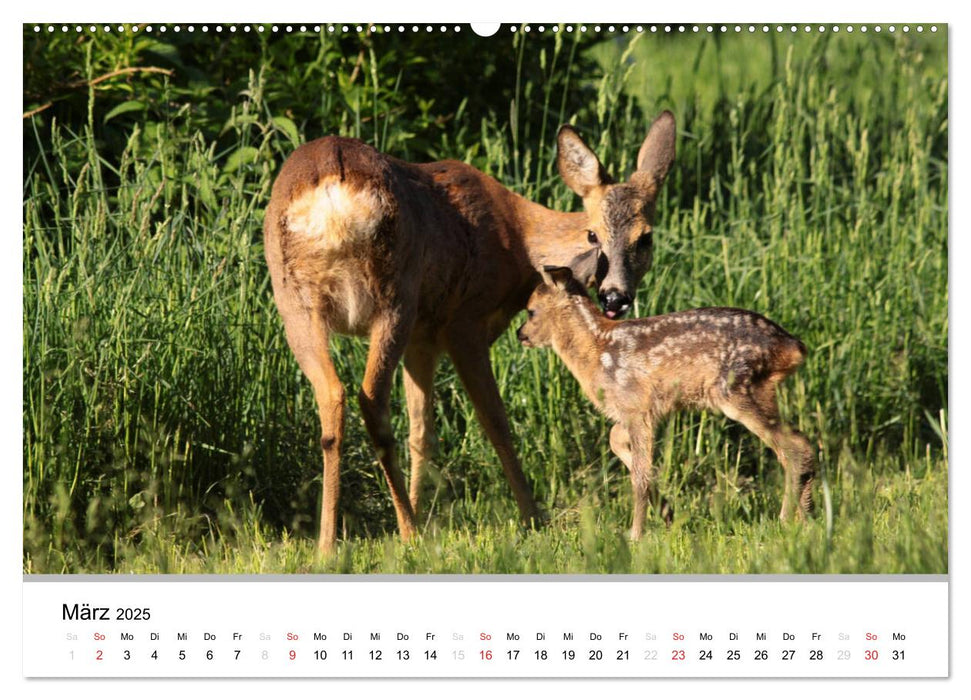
<point>166,425</point>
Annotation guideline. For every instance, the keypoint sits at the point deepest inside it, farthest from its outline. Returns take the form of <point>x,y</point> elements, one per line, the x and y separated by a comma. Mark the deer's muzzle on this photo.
<point>522,337</point>
<point>614,303</point>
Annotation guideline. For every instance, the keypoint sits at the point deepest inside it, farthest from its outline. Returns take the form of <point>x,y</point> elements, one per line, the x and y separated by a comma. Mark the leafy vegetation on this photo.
<point>167,427</point>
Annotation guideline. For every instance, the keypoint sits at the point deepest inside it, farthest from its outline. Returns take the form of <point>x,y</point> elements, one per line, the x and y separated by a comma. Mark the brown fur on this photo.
<point>424,260</point>
<point>637,372</point>
<point>621,215</point>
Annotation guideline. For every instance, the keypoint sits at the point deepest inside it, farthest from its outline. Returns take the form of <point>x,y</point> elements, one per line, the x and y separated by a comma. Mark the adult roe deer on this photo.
<point>437,258</point>
<point>637,372</point>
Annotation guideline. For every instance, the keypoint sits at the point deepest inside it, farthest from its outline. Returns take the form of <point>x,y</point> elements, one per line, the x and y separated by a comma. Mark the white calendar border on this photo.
<point>507,10</point>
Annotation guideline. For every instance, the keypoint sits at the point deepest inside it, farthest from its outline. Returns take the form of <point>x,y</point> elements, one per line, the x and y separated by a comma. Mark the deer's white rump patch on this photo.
<point>333,214</point>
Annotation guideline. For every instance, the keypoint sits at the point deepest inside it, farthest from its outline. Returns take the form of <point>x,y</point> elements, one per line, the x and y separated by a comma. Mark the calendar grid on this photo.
<point>486,629</point>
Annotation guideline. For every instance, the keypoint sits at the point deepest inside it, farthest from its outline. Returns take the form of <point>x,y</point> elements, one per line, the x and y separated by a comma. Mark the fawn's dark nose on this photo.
<point>521,336</point>
<point>614,302</point>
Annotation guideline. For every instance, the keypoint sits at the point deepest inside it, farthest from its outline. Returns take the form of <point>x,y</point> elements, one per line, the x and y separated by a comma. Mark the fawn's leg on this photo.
<point>796,454</point>
<point>620,445</point>
<point>805,464</point>
<point>758,411</point>
<point>389,334</point>
<point>639,449</point>
<point>419,392</point>
<point>469,351</point>
<point>308,337</point>
<point>800,472</point>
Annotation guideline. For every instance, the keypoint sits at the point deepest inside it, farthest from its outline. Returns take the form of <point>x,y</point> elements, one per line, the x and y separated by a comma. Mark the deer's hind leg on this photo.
<point>757,409</point>
<point>308,336</point>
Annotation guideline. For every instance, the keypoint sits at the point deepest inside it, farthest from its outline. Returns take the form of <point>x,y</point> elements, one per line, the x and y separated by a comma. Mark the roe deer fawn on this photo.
<point>436,258</point>
<point>638,371</point>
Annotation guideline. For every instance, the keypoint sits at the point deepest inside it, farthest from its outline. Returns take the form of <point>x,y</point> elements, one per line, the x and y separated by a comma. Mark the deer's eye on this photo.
<point>592,237</point>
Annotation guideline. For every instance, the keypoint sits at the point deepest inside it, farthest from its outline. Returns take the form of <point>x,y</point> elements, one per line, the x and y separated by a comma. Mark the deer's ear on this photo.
<point>558,277</point>
<point>657,152</point>
<point>584,266</point>
<point>578,165</point>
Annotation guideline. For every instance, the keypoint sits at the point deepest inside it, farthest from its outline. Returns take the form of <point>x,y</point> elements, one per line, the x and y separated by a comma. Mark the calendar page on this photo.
<point>553,350</point>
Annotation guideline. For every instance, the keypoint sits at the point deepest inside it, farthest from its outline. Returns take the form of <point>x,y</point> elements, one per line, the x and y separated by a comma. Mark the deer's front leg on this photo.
<point>638,448</point>
<point>420,362</point>
<point>620,443</point>
<point>389,335</point>
<point>469,350</point>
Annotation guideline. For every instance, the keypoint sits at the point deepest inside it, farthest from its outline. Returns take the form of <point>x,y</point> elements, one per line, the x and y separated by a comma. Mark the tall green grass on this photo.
<point>167,427</point>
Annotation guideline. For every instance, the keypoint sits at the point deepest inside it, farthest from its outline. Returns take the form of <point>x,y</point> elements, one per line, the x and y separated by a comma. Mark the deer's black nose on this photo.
<point>614,302</point>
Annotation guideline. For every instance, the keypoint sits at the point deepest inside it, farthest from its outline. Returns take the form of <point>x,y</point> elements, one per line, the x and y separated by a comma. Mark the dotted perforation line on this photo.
<point>245,28</point>
<point>526,28</point>
<point>729,28</point>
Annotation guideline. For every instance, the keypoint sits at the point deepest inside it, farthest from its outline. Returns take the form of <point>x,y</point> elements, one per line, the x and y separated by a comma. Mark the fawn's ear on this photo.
<point>578,165</point>
<point>657,152</point>
<point>558,277</point>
